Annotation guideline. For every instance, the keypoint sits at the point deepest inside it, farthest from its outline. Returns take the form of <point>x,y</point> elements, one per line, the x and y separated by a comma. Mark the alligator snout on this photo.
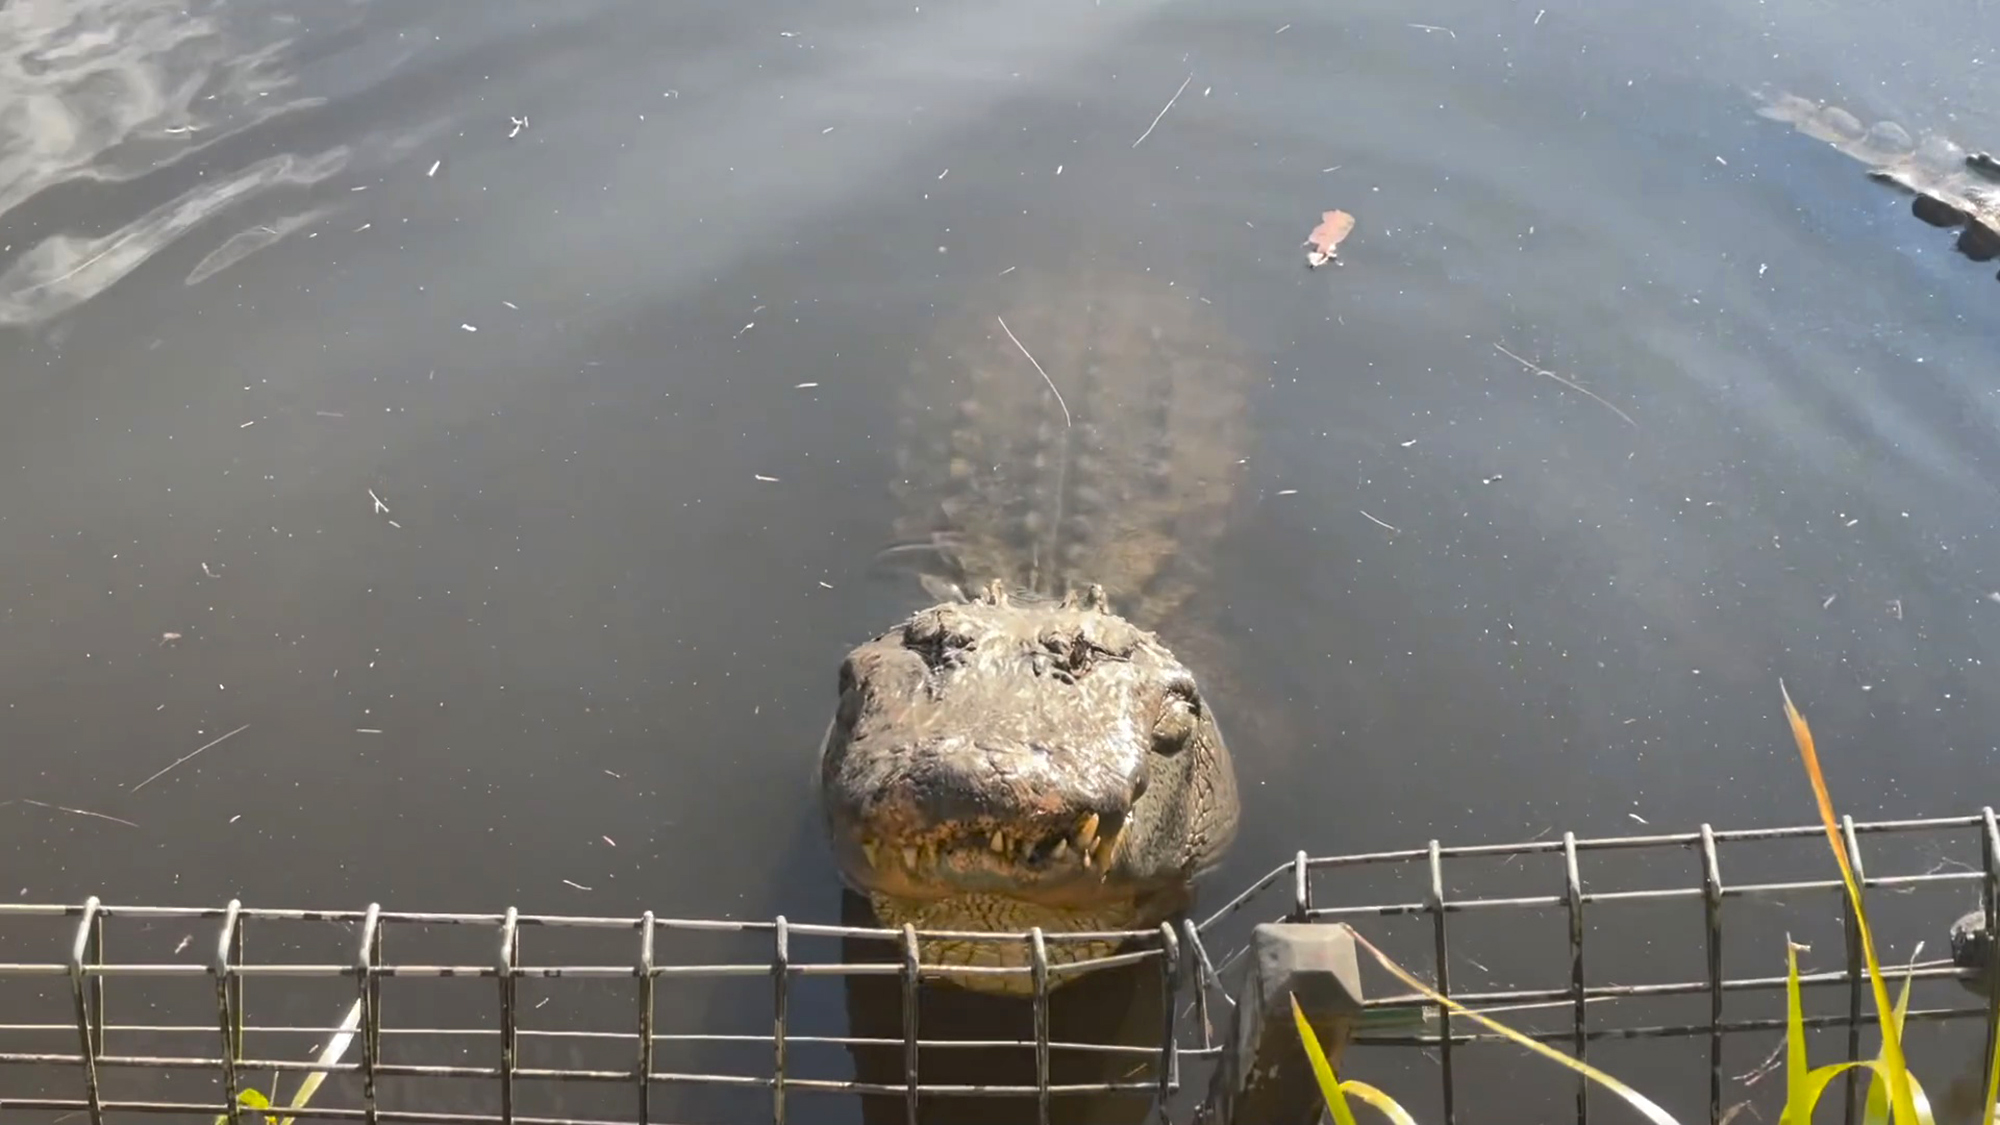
<point>965,780</point>
<point>969,814</point>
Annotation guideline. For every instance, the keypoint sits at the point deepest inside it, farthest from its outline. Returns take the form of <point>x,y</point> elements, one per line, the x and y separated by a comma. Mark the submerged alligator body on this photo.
<point>1951,188</point>
<point>1029,752</point>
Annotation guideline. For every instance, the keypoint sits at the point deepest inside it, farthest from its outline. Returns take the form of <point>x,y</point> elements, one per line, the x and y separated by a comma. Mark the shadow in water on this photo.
<point>1117,1006</point>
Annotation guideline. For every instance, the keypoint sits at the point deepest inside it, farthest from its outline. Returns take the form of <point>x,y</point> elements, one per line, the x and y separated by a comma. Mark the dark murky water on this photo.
<point>397,379</point>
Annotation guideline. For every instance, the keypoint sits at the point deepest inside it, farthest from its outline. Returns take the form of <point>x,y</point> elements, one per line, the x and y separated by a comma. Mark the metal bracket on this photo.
<point>1264,1077</point>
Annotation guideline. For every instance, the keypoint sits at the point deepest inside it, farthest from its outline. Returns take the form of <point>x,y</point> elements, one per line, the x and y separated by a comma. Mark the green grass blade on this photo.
<point>1329,1086</point>
<point>1638,1101</point>
<point>1381,1101</point>
<point>252,1097</point>
<point>1892,1048</point>
<point>1815,1085</point>
<point>1921,1101</point>
<point>331,1056</point>
<point>1875,1110</point>
<point>1878,1110</point>
<point>1798,1104</point>
<point>1992,1084</point>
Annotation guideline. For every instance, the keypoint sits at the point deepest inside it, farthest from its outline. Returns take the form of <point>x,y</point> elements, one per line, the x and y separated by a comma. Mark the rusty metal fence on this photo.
<point>72,1044</point>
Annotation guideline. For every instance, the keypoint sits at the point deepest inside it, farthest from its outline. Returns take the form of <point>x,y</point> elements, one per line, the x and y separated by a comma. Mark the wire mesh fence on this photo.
<point>647,957</point>
<point>115,1012</point>
<point>1666,898</point>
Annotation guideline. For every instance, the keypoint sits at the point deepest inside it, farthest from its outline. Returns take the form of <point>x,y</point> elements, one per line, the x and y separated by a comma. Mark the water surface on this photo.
<point>400,381</point>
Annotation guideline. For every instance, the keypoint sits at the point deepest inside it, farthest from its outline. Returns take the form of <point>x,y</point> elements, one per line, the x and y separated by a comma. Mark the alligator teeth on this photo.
<point>868,849</point>
<point>909,855</point>
<point>1109,847</point>
<point>1061,848</point>
<point>1086,838</point>
<point>1086,833</point>
<point>999,842</point>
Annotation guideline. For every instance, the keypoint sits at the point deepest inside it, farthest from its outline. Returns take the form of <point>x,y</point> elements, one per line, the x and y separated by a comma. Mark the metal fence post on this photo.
<point>366,959</point>
<point>87,949</point>
<point>508,961</point>
<point>1711,904</point>
<point>229,1002</point>
<point>648,986</point>
<point>1434,902</point>
<point>1857,970</point>
<point>1573,901</point>
<point>781,993</point>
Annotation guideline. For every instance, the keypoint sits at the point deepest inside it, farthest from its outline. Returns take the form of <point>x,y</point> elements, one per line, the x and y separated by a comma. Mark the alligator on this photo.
<point>1950,187</point>
<point>1028,751</point>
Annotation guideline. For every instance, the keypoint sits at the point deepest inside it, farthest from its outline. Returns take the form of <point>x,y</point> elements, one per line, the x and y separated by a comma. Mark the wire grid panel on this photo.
<point>1693,925</point>
<point>655,1024</point>
<point>445,1014</point>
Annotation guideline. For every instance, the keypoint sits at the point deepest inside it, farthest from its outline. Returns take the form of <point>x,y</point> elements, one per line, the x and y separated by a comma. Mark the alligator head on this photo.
<point>1009,763</point>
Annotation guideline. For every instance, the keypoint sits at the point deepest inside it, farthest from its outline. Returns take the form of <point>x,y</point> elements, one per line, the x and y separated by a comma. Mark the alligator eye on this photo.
<point>1173,728</point>
<point>1178,718</point>
<point>939,643</point>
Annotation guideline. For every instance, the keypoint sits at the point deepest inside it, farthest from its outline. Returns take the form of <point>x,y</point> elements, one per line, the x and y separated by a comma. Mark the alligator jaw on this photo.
<point>1058,865</point>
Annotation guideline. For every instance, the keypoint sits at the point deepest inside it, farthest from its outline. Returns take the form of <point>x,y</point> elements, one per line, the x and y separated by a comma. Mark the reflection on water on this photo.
<point>65,270</point>
<point>517,484</point>
<point>106,92</point>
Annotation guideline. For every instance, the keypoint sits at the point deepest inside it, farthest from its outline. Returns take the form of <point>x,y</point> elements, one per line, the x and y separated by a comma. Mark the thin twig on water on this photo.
<point>78,812</point>
<point>1038,367</point>
<point>1379,523</point>
<point>1578,388</point>
<point>185,757</point>
<point>1163,110</point>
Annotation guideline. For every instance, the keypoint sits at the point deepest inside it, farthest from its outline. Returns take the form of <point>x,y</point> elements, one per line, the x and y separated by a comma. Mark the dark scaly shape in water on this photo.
<point>1029,751</point>
<point>1951,188</point>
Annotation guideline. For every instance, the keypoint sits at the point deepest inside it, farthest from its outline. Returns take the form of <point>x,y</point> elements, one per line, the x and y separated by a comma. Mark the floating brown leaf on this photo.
<point>1325,238</point>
